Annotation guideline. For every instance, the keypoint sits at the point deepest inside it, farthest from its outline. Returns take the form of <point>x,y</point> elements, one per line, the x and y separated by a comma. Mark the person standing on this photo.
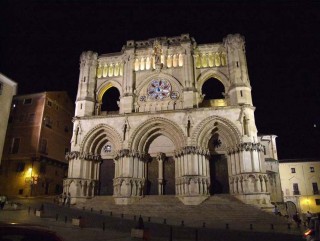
<point>68,200</point>
<point>3,200</point>
<point>64,196</point>
<point>309,216</point>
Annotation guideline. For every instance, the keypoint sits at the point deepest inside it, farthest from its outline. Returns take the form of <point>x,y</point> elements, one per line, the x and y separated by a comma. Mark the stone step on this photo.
<point>218,208</point>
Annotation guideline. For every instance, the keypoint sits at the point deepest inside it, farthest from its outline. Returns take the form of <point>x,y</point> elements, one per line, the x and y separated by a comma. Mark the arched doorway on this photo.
<point>291,208</point>
<point>160,179</point>
<point>106,177</point>
<point>107,169</point>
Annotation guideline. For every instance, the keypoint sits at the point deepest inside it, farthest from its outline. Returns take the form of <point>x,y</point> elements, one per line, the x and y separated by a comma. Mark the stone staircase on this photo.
<point>219,211</point>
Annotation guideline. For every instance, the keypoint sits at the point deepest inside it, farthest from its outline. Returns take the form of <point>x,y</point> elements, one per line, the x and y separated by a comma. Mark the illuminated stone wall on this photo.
<point>163,116</point>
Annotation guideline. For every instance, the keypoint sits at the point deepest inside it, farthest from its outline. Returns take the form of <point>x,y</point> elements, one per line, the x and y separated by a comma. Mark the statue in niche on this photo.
<point>157,51</point>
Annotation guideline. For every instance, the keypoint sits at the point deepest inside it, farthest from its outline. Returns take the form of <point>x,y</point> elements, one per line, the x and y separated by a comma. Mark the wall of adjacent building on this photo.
<point>8,89</point>
<point>42,123</point>
<point>305,176</point>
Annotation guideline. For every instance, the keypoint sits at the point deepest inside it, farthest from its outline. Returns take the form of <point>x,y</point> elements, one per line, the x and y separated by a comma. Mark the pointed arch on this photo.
<point>211,73</point>
<point>151,129</point>
<point>98,136</point>
<point>226,129</point>
<point>105,86</point>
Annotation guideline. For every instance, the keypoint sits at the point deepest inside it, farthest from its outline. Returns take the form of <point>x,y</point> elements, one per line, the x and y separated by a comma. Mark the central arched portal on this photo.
<point>160,176</point>
<point>218,165</point>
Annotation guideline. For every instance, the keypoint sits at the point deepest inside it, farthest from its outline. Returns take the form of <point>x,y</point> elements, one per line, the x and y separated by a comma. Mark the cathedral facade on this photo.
<point>172,132</point>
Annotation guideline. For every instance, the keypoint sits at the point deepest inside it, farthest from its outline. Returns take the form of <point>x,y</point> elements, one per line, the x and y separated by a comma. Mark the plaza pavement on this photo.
<point>100,227</point>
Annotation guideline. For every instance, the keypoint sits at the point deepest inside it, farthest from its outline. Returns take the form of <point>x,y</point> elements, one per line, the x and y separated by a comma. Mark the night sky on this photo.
<point>41,42</point>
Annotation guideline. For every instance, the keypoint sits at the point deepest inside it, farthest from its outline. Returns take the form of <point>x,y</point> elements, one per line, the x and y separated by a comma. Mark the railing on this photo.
<point>296,192</point>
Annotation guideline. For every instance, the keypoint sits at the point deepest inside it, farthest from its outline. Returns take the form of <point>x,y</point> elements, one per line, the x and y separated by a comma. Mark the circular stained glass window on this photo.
<point>159,89</point>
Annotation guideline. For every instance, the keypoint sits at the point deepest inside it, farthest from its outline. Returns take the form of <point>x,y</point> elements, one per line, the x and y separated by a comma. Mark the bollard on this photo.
<point>110,213</point>
<point>91,209</point>
<point>251,227</point>
<point>100,211</point>
<point>65,219</point>
<point>182,223</point>
<point>165,221</point>
<point>272,227</point>
<point>149,219</point>
<point>227,226</point>
<point>29,208</point>
<point>196,234</point>
<point>289,226</point>
<point>170,234</point>
<point>203,224</point>
<point>103,226</point>
<point>57,217</point>
<point>34,211</point>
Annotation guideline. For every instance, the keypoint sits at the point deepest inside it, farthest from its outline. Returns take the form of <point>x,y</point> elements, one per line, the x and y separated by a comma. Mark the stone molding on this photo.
<point>80,155</point>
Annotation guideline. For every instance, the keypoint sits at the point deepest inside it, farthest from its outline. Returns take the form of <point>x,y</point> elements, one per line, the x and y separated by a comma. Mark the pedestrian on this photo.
<point>297,219</point>
<point>64,196</point>
<point>68,199</point>
<point>3,200</point>
<point>276,210</point>
<point>309,216</point>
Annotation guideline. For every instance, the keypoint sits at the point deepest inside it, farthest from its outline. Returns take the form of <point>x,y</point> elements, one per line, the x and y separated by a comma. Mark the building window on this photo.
<point>20,166</point>
<point>315,188</point>
<point>1,88</point>
<point>296,189</point>
<point>15,145</point>
<point>43,146</point>
<point>311,169</point>
<point>317,202</point>
<point>107,148</point>
<point>27,101</point>
<point>49,103</point>
<point>293,170</point>
<point>47,122</point>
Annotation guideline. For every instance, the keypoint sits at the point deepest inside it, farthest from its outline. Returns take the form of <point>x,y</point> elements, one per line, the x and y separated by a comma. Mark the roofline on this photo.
<point>9,81</point>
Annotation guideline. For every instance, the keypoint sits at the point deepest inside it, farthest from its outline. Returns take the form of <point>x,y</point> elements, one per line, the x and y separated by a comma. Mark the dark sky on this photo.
<point>41,42</point>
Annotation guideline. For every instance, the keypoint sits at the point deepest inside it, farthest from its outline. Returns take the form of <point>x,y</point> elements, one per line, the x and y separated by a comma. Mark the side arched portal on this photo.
<point>103,142</point>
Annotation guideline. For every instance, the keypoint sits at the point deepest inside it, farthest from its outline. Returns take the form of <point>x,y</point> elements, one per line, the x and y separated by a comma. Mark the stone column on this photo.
<point>160,158</point>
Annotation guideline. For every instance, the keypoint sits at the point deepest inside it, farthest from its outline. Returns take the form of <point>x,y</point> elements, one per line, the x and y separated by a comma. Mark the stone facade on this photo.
<point>168,135</point>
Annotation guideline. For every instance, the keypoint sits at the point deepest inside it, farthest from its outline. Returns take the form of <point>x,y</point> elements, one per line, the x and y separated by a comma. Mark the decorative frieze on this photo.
<point>192,150</point>
<point>85,156</point>
<point>131,153</point>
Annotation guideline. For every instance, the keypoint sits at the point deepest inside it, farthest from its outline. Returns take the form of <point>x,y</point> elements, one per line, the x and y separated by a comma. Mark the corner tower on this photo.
<point>85,102</point>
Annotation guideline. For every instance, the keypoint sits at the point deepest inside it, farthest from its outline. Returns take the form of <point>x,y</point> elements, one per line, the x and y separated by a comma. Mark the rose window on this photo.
<point>159,89</point>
